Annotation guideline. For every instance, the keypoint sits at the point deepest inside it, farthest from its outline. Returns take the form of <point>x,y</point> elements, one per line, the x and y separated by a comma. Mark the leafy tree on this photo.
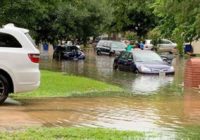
<point>179,19</point>
<point>51,20</point>
<point>133,15</point>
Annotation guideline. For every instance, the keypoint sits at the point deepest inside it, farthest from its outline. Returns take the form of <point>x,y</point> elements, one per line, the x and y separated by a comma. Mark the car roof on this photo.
<point>138,51</point>
<point>110,41</point>
<point>11,26</point>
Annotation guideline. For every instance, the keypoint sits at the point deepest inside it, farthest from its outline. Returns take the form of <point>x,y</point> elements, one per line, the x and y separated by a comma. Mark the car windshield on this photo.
<point>118,45</point>
<point>147,57</point>
<point>71,48</point>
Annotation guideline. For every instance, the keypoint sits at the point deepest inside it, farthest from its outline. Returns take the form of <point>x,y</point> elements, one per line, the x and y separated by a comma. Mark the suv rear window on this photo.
<point>9,41</point>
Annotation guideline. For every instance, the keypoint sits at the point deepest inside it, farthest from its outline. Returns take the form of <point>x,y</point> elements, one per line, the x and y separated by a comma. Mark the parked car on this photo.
<point>68,52</point>
<point>110,47</point>
<point>142,61</point>
<point>148,44</point>
<point>165,45</point>
<point>19,61</point>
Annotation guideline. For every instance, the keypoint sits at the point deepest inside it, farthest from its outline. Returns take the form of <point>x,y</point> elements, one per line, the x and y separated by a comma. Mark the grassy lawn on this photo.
<point>55,84</point>
<point>71,134</point>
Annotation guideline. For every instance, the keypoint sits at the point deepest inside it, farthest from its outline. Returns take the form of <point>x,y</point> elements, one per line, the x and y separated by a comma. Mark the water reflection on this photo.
<point>147,83</point>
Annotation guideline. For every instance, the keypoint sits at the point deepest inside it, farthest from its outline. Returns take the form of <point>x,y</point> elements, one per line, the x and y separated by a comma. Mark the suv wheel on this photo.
<point>111,53</point>
<point>98,52</point>
<point>4,88</point>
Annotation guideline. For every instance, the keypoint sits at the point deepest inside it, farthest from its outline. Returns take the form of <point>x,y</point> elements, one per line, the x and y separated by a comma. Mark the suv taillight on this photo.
<point>35,58</point>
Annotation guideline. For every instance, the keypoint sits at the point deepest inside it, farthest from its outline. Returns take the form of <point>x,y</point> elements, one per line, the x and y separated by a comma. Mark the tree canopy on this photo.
<point>51,20</point>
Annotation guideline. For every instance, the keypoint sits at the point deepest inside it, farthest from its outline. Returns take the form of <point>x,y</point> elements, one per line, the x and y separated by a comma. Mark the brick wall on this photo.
<point>192,73</point>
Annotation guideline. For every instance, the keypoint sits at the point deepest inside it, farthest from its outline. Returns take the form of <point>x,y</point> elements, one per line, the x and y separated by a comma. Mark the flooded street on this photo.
<point>152,103</point>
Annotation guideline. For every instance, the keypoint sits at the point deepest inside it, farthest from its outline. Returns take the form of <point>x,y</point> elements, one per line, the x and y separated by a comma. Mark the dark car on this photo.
<point>110,47</point>
<point>142,61</point>
<point>68,52</point>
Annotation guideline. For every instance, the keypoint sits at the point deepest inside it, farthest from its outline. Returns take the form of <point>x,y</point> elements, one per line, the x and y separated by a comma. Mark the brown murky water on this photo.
<point>156,104</point>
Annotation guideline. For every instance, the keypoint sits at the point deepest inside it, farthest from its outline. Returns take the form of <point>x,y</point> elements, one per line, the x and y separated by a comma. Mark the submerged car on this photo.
<point>142,61</point>
<point>110,47</point>
<point>68,52</point>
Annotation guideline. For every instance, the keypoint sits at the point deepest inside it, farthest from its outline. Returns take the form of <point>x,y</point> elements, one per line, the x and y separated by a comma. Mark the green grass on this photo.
<point>54,84</point>
<point>189,132</point>
<point>71,134</point>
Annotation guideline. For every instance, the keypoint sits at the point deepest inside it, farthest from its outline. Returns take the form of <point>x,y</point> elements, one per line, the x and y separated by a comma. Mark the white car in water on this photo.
<point>19,61</point>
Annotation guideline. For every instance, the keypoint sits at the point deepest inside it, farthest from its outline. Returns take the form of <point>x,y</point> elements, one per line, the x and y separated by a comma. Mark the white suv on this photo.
<point>19,61</point>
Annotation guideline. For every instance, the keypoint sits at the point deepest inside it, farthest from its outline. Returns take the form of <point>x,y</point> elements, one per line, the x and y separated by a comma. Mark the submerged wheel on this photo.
<point>136,71</point>
<point>4,88</point>
<point>115,66</point>
<point>98,52</point>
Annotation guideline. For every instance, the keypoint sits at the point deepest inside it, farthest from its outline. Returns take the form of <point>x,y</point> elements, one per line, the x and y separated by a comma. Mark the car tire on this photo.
<point>136,71</point>
<point>115,67</point>
<point>4,88</point>
<point>112,53</point>
<point>98,52</point>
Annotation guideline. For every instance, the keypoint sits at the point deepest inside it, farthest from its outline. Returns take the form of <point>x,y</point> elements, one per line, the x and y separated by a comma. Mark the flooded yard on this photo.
<point>151,103</point>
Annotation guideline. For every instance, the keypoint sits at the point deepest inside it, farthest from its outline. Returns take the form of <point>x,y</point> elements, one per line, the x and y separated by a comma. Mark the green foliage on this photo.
<point>59,85</point>
<point>52,20</point>
<point>179,19</point>
<point>155,35</point>
<point>71,134</point>
<point>132,15</point>
<point>131,36</point>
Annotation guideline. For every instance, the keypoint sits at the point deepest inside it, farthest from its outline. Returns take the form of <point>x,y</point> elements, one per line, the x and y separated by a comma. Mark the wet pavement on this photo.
<point>154,103</point>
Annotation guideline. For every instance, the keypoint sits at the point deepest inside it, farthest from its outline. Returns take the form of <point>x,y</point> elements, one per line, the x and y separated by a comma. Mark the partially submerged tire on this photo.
<point>98,52</point>
<point>115,67</point>
<point>4,88</point>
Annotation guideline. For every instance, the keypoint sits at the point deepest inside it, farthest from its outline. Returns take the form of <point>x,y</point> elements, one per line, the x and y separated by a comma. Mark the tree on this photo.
<point>51,20</point>
<point>179,19</point>
<point>133,15</point>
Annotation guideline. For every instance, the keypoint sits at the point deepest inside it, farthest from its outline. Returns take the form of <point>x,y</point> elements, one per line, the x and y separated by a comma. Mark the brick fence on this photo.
<point>192,73</point>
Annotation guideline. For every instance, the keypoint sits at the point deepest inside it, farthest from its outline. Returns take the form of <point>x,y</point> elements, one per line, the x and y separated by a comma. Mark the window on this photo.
<point>164,41</point>
<point>130,56</point>
<point>100,43</point>
<point>9,41</point>
<point>118,45</point>
<point>125,55</point>
<point>147,57</point>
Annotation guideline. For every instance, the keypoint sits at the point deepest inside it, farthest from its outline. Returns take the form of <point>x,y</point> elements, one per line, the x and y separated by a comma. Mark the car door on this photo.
<point>106,47</point>
<point>128,62</point>
<point>122,62</point>
<point>130,65</point>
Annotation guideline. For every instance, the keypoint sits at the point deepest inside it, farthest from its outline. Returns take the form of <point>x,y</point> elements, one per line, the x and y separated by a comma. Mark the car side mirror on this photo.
<point>166,60</point>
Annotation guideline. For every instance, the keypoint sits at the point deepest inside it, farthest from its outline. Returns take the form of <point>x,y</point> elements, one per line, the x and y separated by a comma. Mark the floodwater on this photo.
<point>154,104</point>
